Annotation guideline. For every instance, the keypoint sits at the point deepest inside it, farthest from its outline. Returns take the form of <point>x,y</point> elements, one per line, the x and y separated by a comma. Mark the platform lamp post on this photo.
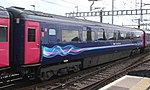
<point>139,23</point>
<point>33,7</point>
<point>112,11</point>
<point>112,8</point>
<point>100,12</point>
<point>92,4</point>
<point>77,8</point>
<point>141,16</point>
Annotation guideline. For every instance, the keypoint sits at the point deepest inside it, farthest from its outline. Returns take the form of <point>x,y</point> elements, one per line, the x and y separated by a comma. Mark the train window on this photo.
<point>3,34</point>
<point>148,36</point>
<point>101,35</point>
<point>70,35</point>
<point>137,35</point>
<point>52,32</point>
<point>92,36</point>
<point>112,36</point>
<point>88,35</point>
<point>121,35</point>
<point>128,35</point>
<point>31,35</point>
<point>84,35</point>
<point>132,35</point>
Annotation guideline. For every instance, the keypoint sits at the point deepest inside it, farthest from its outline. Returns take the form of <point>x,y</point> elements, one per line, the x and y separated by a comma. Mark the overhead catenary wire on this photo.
<point>74,4</point>
<point>57,4</point>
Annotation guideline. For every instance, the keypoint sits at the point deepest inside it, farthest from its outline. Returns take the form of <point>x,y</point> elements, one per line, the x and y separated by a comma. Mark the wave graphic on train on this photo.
<point>62,51</point>
<point>70,49</point>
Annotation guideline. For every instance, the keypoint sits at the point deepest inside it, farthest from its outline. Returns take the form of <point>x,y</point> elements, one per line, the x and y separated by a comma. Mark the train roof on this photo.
<point>37,15</point>
<point>3,13</point>
<point>147,31</point>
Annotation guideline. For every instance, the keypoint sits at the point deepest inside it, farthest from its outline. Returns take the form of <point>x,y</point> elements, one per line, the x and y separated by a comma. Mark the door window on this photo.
<point>31,35</point>
<point>3,34</point>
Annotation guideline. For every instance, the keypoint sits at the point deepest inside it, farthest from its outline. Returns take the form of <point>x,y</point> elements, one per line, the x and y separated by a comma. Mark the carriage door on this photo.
<point>32,45</point>
<point>4,42</point>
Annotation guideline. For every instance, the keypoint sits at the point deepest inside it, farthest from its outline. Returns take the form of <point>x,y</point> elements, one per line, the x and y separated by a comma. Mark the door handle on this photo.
<point>38,45</point>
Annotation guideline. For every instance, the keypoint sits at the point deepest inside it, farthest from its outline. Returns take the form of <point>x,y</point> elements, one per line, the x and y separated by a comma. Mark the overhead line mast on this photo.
<point>112,13</point>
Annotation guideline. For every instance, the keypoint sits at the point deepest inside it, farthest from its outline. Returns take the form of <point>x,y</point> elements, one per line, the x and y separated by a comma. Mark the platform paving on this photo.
<point>129,83</point>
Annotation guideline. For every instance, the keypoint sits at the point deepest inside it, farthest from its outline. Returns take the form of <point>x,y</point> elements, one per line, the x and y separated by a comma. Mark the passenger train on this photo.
<point>38,44</point>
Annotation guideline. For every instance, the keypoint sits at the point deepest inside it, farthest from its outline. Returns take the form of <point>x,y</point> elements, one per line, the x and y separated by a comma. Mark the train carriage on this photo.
<point>147,38</point>
<point>52,45</point>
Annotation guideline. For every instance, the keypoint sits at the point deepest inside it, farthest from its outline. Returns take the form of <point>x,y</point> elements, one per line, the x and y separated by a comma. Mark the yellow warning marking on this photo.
<point>142,85</point>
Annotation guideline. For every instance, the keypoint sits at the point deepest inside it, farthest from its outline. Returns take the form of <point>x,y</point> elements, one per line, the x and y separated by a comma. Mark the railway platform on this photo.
<point>129,82</point>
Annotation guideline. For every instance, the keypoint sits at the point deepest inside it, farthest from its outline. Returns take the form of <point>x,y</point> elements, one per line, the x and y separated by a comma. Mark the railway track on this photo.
<point>8,81</point>
<point>92,78</point>
<point>142,70</point>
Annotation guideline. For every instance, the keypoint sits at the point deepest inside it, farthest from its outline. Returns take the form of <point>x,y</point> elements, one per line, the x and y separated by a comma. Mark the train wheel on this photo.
<point>49,74</point>
<point>46,75</point>
<point>76,68</point>
<point>62,72</point>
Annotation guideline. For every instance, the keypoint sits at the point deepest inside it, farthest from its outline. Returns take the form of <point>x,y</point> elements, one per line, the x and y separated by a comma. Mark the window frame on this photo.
<point>72,38</point>
<point>128,38</point>
<point>83,37</point>
<point>55,33</point>
<point>103,33</point>
<point>7,38</point>
<point>121,33</point>
<point>89,36</point>
<point>34,35</point>
<point>93,38</point>
<point>113,31</point>
<point>140,35</point>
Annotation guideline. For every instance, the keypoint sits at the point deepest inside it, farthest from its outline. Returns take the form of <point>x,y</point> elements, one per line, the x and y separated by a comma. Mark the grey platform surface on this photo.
<point>129,83</point>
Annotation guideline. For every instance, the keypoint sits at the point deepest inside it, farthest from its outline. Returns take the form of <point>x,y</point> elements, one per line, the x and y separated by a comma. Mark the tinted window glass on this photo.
<point>3,34</point>
<point>132,35</point>
<point>138,35</point>
<point>84,35</point>
<point>148,36</point>
<point>31,35</point>
<point>70,35</point>
<point>101,35</point>
<point>112,36</point>
<point>88,36</point>
<point>128,35</point>
<point>121,35</point>
<point>93,36</point>
<point>52,32</point>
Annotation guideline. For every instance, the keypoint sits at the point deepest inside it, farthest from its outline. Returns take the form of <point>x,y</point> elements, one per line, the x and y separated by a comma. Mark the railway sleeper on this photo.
<point>92,80</point>
<point>84,82</point>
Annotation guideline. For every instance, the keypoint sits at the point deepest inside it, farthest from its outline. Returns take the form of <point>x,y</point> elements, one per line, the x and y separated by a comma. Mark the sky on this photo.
<point>60,7</point>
